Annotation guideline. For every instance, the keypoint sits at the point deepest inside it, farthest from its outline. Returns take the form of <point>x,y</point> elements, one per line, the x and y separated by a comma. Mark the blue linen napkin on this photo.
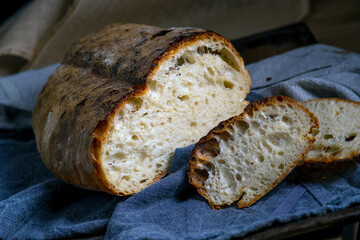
<point>36,205</point>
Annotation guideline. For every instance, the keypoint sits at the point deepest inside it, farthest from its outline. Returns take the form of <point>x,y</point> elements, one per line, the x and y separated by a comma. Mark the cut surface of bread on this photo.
<point>339,132</point>
<point>246,156</point>
<point>189,93</point>
<point>129,95</point>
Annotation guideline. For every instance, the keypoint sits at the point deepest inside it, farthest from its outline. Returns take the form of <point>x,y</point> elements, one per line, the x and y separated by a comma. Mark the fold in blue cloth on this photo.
<point>36,205</point>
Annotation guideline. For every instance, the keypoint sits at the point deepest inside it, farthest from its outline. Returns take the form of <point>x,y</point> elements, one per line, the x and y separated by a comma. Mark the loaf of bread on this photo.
<point>110,117</point>
<point>246,156</point>
<point>339,133</point>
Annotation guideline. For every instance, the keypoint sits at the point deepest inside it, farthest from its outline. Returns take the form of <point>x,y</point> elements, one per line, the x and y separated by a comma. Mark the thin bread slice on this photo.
<point>246,156</point>
<point>339,133</point>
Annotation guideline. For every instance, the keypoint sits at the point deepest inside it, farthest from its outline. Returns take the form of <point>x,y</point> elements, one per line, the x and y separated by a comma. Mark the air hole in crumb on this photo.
<point>120,114</point>
<point>232,149</point>
<point>196,103</point>
<point>213,95</point>
<point>261,158</point>
<point>273,116</point>
<point>180,61</point>
<point>201,174</point>
<point>314,131</point>
<point>228,57</point>
<point>151,85</point>
<point>209,79</point>
<point>211,71</point>
<point>281,153</point>
<point>184,98</point>
<point>224,135</point>
<point>317,147</point>
<point>206,101</point>
<point>272,165</point>
<point>332,148</point>
<point>186,58</point>
<point>221,161</point>
<point>286,119</point>
<point>201,50</point>
<point>255,124</point>
<point>135,137</point>
<point>228,84</point>
<point>238,177</point>
<point>281,166</point>
<point>328,136</point>
<point>193,124</point>
<point>159,165</point>
<point>119,155</point>
<point>242,126</point>
<point>143,180</point>
<point>135,103</point>
<point>350,138</point>
<point>126,178</point>
<point>208,149</point>
<point>107,153</point>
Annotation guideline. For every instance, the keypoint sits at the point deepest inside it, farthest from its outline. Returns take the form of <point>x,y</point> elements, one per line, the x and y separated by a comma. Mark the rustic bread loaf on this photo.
<point>110,117</point>
<point>246,156</point>
<point>339,133</point>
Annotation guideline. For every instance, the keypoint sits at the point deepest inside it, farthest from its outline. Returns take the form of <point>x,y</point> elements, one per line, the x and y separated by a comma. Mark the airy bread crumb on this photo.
<point>188,94</point>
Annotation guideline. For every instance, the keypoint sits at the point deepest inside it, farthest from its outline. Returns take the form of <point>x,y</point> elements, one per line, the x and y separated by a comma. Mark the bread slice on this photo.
<point>111,116</point>
<point>246,156</point>
<point>339,134</point>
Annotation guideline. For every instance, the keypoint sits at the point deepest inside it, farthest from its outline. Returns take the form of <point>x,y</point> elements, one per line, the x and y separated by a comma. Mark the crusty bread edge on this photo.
<point>101,132</point>
<point>248,111</point>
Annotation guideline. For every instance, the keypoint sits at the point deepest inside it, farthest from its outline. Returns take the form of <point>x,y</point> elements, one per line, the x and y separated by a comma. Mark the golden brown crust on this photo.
<point>207,148</point>
<point>76,107</point>
<point>354,155</point>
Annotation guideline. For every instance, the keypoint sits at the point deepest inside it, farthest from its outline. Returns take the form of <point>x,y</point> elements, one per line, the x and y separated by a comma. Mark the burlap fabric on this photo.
<point>42,31</point>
